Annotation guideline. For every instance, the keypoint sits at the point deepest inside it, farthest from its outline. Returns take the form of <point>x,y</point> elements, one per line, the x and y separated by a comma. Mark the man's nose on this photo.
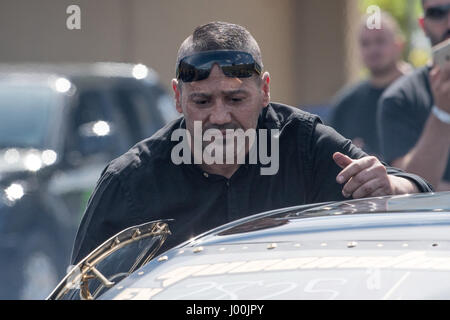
<point>220,113</point>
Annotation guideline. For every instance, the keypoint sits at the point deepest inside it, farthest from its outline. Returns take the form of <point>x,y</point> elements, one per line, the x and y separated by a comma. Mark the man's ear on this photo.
<point>177,95</point>
<point>265,87</point>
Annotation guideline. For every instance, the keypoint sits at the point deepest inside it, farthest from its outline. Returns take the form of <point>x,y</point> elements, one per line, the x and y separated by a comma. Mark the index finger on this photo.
<point>354,168</point>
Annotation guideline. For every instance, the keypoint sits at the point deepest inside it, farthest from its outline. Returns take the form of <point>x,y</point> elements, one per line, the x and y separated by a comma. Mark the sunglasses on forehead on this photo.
<point>235,64</point>
<point>437,12</point>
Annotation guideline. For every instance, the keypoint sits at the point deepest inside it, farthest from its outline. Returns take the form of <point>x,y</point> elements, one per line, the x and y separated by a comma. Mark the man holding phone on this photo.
<point>414,113</point>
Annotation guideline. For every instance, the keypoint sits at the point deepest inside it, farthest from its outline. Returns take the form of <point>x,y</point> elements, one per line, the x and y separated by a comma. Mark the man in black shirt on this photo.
<point>354,109</point>
<point>414,113</point>
<point>220,84</point>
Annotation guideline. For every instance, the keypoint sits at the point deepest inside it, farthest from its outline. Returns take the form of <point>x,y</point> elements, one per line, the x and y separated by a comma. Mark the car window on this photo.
<point>95,127</point>
<point>144,108</point>
<point>135,109</point>
<point>25,115</point>
<point>165,104</point>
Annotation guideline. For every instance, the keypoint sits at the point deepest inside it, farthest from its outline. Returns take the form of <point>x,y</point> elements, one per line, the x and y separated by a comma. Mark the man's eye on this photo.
<point>237,100</point>
<point>200,101</point>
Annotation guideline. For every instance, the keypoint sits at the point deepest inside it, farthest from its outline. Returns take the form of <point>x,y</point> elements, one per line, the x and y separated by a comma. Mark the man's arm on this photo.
<point>108,212</point>
<point>362,176</point>
<point>368,177</point>
<point>429,155</point>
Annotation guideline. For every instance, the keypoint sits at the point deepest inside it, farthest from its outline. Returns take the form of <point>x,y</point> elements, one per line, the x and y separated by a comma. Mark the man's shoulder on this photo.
<point>351,92</point>
<point>349,99</point>
<point>410,86</point>
<point>146,153</point>
<point>286,115</point>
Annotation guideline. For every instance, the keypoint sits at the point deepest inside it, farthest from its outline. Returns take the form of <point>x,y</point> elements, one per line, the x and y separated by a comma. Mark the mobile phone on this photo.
<point>441,53</point>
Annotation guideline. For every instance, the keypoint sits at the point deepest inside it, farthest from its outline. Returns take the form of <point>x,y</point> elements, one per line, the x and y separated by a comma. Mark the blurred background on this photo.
<point>63,116</point>
<point>308,46</point>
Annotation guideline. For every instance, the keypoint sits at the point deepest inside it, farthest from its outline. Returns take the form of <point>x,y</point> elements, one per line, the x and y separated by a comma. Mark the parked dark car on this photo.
<point>393,247</point>
<point>59,127</point>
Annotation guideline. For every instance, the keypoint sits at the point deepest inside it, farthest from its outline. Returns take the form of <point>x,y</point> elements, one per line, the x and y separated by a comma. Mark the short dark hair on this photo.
<point>219,35</point>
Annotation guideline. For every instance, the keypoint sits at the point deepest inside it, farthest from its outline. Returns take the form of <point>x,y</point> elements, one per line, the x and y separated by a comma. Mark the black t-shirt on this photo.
<point>145,185</point>
<point>403,111</point>
<point>354,115</point>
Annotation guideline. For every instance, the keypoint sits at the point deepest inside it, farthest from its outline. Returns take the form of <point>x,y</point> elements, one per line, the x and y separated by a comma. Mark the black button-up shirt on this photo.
<point>144,184</point>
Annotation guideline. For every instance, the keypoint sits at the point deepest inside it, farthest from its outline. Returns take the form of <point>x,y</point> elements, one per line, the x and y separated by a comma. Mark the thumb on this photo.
<point>341,159</point>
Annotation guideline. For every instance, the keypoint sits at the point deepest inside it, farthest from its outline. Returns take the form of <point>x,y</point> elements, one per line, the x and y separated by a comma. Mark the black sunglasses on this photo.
<point>437,12</point>
<point>235,64</point>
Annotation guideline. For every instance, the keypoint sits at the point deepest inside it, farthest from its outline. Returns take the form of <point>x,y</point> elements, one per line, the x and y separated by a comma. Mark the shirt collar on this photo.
<point>269,119</point>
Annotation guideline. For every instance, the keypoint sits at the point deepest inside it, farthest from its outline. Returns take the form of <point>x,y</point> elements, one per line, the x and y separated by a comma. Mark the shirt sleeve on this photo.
<point>324,143</point>
<point>104,215</point>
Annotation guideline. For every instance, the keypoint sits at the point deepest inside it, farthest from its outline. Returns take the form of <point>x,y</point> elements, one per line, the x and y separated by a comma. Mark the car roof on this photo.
<point>396,236</point>
<point>60,85</point>
<point>41,78</point>
<point>431,207</point>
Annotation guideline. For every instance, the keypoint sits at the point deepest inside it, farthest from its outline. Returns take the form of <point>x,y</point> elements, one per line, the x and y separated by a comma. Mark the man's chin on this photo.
<point>381,70</point>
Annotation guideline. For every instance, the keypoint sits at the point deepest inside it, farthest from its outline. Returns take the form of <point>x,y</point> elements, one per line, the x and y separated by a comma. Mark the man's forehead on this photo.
<point>384,31</point>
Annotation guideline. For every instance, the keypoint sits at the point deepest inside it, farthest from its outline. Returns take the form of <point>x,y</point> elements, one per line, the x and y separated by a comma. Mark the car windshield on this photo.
<point>25,112</point>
